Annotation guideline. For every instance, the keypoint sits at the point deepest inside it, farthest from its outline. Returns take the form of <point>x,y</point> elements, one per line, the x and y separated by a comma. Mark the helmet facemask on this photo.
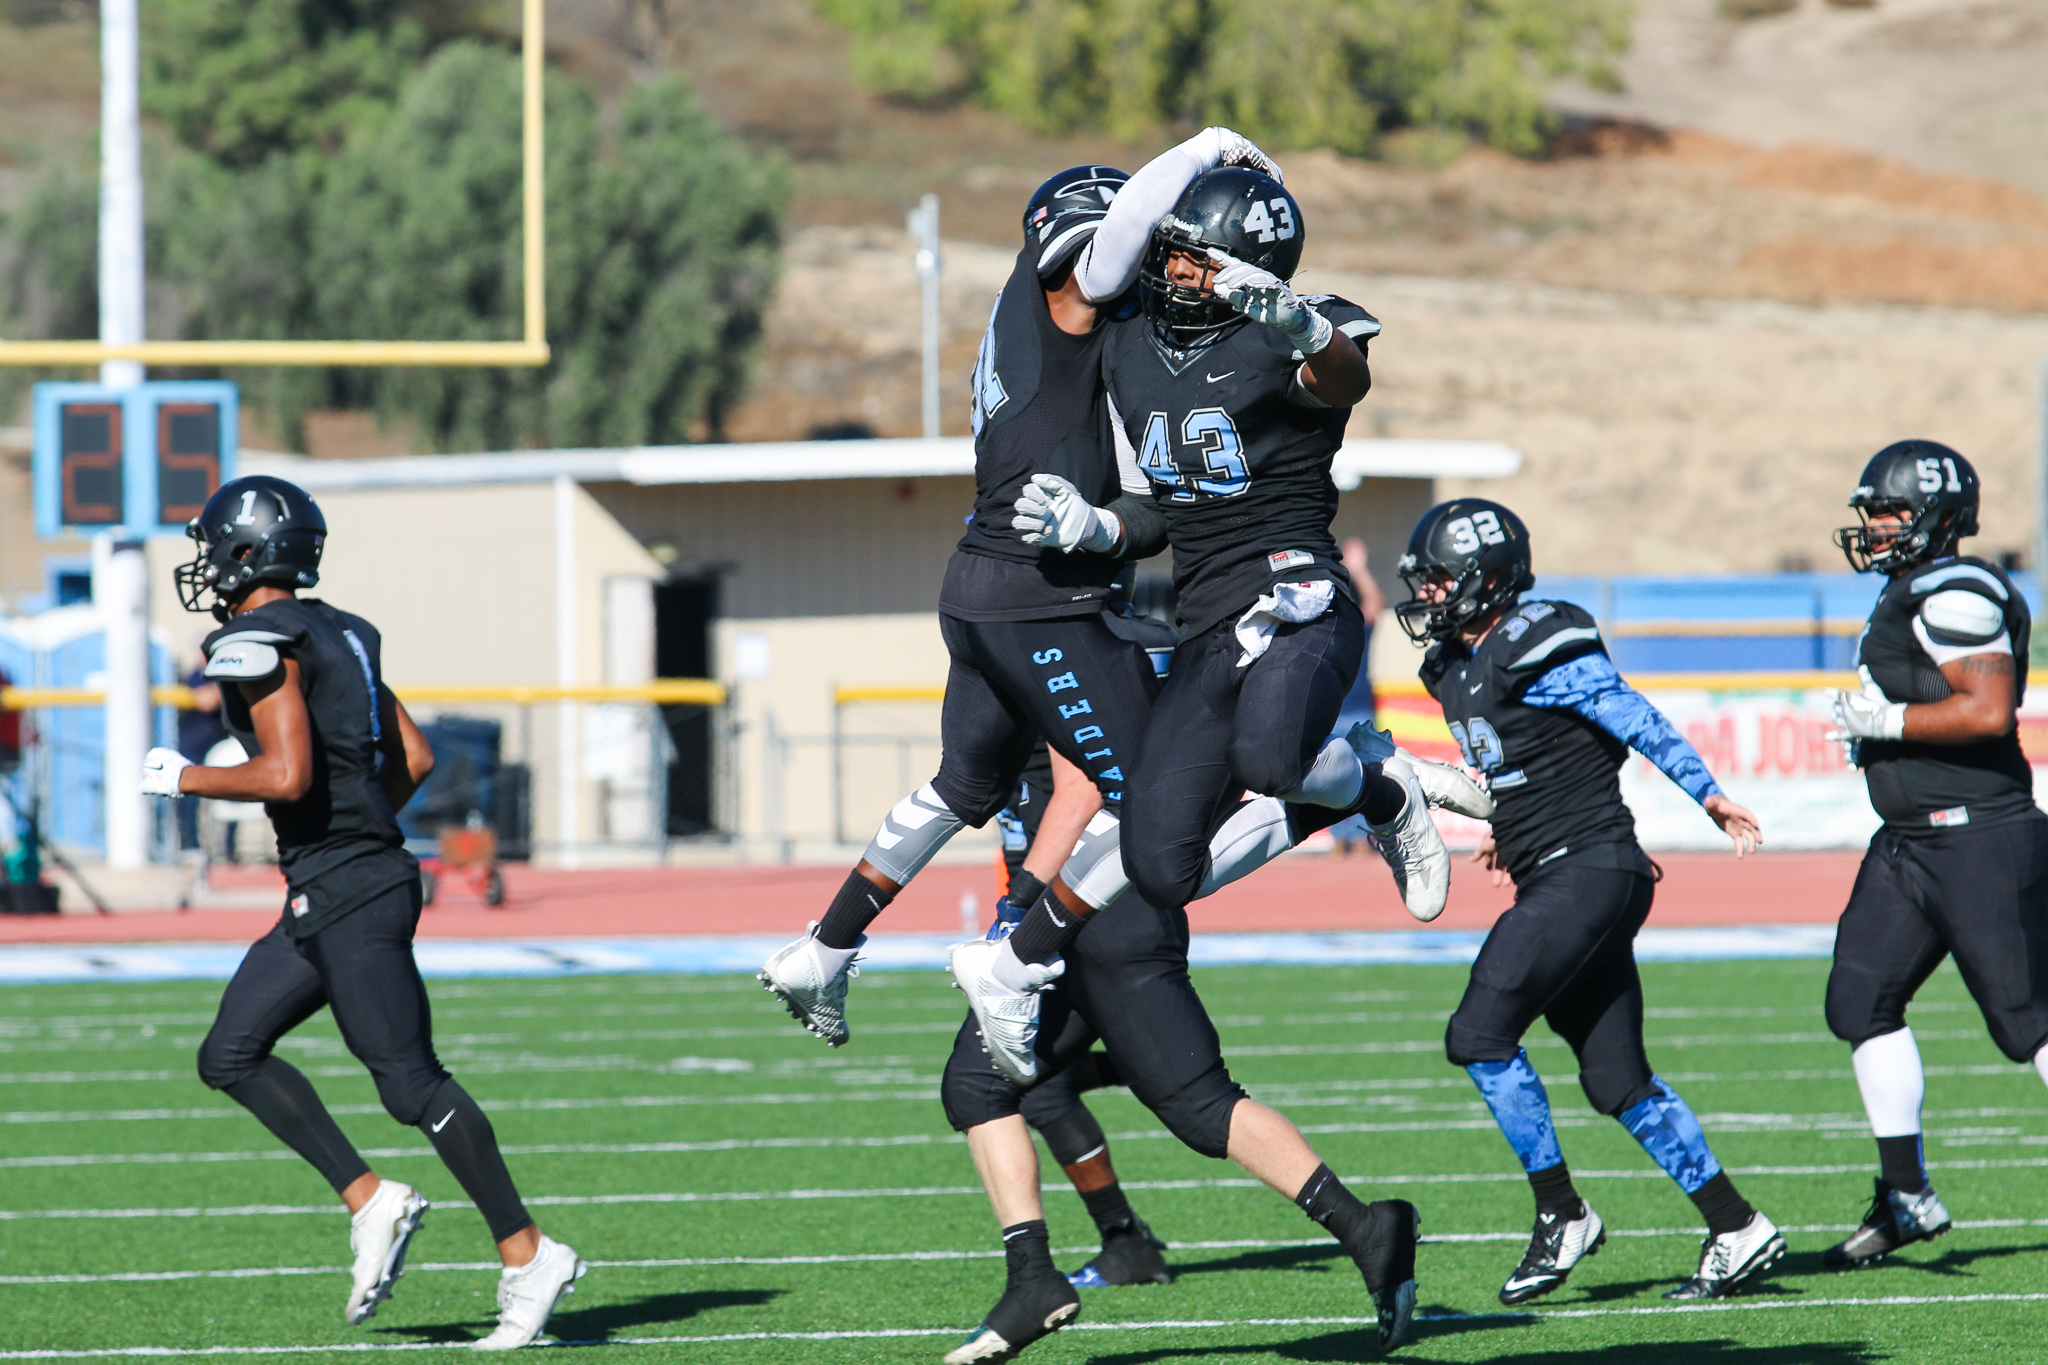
<point>1894,546</point>
<point>1183,317</point>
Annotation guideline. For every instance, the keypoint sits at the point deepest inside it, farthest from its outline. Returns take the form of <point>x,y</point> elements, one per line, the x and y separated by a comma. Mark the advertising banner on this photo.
<point>1766,744</point>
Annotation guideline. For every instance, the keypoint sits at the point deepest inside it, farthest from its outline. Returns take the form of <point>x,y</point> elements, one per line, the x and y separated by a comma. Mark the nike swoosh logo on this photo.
<point>1218,378</point>
<point>1474,691</point>
<point>444,1121</point>
<point>1049,914</point>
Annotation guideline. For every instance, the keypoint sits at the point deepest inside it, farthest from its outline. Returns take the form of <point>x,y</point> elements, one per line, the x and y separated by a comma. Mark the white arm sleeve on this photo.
<point>1128,476</point>
<point>1109,263</point>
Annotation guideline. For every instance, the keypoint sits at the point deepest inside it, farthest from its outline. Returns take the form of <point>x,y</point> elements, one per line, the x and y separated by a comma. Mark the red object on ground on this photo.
<point>1304,891</point>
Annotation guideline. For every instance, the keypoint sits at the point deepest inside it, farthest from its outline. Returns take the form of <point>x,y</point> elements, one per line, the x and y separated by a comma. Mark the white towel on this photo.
<point>1287,604</point>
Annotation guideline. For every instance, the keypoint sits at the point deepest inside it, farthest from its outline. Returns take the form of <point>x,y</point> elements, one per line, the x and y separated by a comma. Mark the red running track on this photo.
<point>1303,891</point>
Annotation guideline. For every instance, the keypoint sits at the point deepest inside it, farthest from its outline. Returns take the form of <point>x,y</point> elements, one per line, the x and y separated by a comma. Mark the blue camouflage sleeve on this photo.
<point>1590,686</point>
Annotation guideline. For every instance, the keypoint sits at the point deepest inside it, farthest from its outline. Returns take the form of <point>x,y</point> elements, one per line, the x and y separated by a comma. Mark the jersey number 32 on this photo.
<point>1212,458</point>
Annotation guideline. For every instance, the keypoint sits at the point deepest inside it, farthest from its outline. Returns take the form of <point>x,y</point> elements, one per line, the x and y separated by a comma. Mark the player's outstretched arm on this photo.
<point>1590,685</point>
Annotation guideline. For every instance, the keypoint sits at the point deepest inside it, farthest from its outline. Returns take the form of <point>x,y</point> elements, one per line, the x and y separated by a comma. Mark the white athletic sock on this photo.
<point>1255,834</point>
<point>2041,1062</point>
<point>1893,1085</point>
<point>1334,779</point>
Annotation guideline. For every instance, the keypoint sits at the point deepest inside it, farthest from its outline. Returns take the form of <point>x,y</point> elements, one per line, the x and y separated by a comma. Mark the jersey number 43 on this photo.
<point>1211,459</point>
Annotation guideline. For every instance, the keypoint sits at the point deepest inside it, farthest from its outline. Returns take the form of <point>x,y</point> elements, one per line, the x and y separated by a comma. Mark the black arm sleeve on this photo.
<point>1144,525</point>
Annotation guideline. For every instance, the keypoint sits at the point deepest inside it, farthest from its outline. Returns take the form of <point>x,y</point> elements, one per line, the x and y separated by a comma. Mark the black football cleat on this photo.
<point>1555,1247</point>
<point>1386,1258</point>
<point>1130,1255</point>
<point>1894,1220</point>
<point>1028,1310</point>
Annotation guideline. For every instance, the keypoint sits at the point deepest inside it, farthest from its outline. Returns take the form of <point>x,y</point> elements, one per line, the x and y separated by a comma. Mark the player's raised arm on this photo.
<point>1589,684</point>
<point>1109,264</point>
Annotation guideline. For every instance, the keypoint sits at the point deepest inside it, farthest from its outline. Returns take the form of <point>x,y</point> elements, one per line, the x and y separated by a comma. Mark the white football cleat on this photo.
<point>1007,1018</point>
<point>528,1293</point>
<point>810,979</point>
<point>1730,1259</point>
<point>1450,788</point>
<point>1414,851</point>
<point>379,1233</point>
<point>1556,1246</point>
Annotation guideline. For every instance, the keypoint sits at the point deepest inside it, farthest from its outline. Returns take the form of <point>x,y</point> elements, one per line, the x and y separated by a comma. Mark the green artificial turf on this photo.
<point>698,1087</point>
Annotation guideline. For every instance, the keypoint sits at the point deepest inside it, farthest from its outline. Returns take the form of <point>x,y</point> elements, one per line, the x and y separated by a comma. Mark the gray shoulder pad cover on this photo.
<point>246,655</point>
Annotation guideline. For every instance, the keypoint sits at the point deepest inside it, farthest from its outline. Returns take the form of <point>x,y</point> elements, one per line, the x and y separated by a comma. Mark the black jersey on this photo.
<point>339,845</point>
<point>1555,775</point>
<point>1238,463</point>
<point>1038,409</point>
<point>1918,624</point>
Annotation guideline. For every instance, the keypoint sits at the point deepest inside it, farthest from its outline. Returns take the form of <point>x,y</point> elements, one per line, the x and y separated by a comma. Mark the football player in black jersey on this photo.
<point>1232,395</point>
<point>1960,865</point>
<point>1536,705</point>
<point>1031,656</point>
<point>333,758</point>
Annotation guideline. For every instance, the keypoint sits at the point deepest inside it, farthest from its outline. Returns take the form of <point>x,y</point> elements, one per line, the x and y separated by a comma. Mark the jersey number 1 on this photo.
<point>1214,449</point>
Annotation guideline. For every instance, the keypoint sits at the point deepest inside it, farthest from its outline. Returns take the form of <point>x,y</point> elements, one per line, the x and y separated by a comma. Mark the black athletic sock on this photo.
<point>1381,798</point>
<point>1554,1191</point>
<point>1722,1205</point>
<point>468,1147</point>
<point>1110,1210</point>
<point>1047,928</point>
<point>1025,889</point>
<point>284,1101</point>
<point>1027,1250</point>
<point>1900,1161</point>
<point>1324,1199</point>
<point>852,911</point>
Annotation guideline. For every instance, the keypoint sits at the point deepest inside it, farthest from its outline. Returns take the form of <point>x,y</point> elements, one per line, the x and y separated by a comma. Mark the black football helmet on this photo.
<point>254,530</point>
<point>1064,212</point>
<point>1468,559</point>
<point>1936,490</point>
<point>1243,212</point>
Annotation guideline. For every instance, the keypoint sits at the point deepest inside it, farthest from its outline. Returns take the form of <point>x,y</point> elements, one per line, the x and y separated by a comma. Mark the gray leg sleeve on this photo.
<point>1255,834</point>
<point>1094,871</point>
<point>910,834</point>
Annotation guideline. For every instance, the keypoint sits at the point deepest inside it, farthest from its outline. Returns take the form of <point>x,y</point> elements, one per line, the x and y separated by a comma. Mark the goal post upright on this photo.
<point>530,350</point>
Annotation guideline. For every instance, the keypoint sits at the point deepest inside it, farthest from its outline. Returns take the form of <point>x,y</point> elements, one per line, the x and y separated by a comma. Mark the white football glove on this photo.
<point>1239,150</point>
<point>1264,297</point>
<point>1862,716</point>
<point>160,769</point>
<point>1051,511</point>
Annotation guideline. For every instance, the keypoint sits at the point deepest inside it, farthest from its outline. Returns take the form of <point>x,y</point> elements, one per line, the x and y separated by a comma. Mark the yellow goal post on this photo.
<point>531,351</point>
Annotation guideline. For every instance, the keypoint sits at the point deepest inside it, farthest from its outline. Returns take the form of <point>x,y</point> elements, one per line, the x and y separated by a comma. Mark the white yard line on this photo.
<point>878,1257</point>
<point>939,1191</point>
<point>1183,1325</point>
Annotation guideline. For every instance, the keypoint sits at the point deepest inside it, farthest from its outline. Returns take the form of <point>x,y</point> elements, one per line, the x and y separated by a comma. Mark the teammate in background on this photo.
<point>1537,706</point>
<point>1960,865</point>
<point>1232,394</point>
<point>1054,802</point>
<point>1032,660</point>
<point>335,756</point>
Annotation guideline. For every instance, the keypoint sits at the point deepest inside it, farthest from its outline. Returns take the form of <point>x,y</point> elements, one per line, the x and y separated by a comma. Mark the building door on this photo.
<point>684,609</point>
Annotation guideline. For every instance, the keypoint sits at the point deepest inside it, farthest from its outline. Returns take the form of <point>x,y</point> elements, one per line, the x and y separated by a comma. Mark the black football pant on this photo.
<point>1219,730</point>
<point>1015,685</point>
<point>1979,894</point>
<point>360,966</point>
<point>1565,953</point>
<point>1126,984</point>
